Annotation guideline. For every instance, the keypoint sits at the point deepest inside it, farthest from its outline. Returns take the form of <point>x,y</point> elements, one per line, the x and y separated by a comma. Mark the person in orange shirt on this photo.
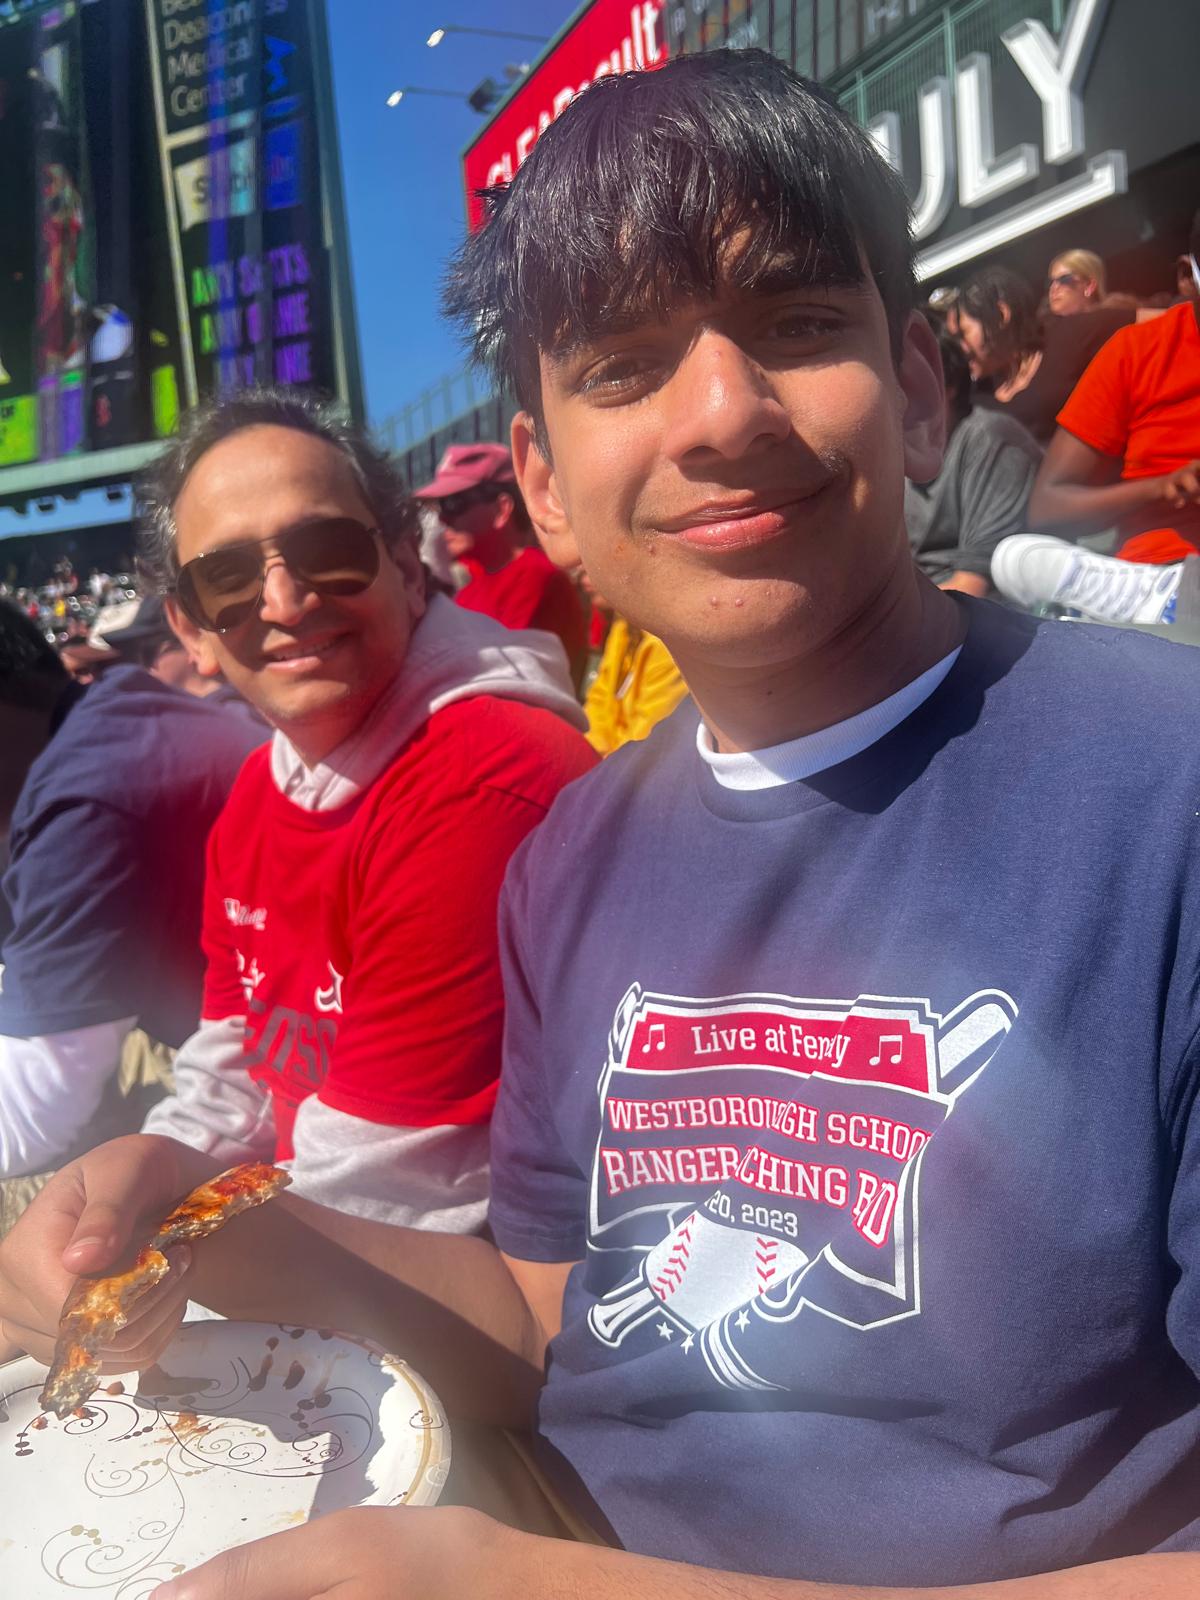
<point>1127,450</point>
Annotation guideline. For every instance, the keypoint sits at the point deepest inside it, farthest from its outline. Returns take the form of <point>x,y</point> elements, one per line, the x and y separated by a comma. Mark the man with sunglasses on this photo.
<point>487,531</point>
<point>352,1002</point>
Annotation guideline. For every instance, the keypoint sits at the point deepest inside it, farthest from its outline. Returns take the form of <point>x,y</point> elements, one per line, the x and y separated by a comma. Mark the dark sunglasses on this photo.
<point>453,505</point>
<point>223,588</point>
<point>1063,279</point>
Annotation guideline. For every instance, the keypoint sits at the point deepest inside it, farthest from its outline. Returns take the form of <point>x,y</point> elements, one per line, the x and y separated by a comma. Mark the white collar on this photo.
<point>816,752</point>
<point>453,655</point>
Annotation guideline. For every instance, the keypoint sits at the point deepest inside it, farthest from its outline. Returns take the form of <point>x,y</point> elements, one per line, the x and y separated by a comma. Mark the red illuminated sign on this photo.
<point>610,36</point>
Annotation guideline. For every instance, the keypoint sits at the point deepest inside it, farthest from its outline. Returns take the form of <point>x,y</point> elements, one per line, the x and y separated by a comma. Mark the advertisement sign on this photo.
<point>237,130</point>
<point>1003,120</point>
<point>607,36</point>
<point>171,222</point>
<point>46,266</point>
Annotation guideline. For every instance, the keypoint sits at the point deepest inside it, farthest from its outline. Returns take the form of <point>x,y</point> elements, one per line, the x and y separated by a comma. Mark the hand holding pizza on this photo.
<point>82,1222</point>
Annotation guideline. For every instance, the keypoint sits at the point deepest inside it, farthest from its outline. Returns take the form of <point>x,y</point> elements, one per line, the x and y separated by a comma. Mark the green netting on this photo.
<point>827,58</point>
<point>851,100</point>
<point>803,62</point>
<point>894,85</point>
<point>979,24</point>
<point>950,34</point>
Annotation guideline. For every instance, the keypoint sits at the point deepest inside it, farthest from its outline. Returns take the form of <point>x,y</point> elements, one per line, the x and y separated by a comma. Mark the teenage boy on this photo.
<point>844,1181</point>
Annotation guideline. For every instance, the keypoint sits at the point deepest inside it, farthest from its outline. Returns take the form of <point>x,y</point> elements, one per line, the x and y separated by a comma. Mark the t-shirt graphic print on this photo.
<point>764,1153</point>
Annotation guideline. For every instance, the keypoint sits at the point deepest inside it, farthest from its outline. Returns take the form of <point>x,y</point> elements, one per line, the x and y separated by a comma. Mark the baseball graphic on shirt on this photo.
<point>798,1129</point>
<point>704,1269</point>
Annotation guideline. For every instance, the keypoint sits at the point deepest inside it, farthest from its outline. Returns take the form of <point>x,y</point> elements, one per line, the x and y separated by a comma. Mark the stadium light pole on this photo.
<point>397,95</point>
<point>438,34</point>
<point>481,98</point>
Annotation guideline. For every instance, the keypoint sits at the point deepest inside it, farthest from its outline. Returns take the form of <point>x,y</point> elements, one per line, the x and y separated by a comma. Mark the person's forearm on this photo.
<point>445,1302</point>
<point>1072,508</point>
<point>584,1572</point>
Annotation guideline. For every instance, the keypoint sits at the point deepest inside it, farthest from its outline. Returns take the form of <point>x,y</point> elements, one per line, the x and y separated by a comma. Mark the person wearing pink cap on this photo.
<point>489,533</point>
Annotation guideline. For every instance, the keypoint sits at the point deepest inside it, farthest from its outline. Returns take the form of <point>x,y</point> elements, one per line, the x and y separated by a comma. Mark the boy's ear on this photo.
<point>535,476</point>
<point>194,640</point>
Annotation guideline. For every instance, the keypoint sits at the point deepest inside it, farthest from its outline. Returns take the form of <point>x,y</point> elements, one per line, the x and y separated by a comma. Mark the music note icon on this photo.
<point>896,1039</point>
<point>660,1043</point>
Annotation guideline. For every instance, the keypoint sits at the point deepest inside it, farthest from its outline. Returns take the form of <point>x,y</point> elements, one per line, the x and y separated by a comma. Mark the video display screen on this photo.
<point>165,216</point>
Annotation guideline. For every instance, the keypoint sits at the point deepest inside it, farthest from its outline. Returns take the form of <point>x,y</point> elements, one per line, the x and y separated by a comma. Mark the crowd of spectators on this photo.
<point>66,608</point>
<point>555,866</point>
<point>1098,396</point>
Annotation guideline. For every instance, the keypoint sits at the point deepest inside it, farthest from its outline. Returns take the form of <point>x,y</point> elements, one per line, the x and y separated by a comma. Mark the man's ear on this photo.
<point>504,511</point>
<point>1005,310</point>
<point>196,641</point>
<point>535,478</point>
<point>407,557</point>
<point>924,389</point>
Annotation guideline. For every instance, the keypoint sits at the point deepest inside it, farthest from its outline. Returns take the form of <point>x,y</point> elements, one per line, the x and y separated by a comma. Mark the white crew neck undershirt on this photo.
<point>816,752</point>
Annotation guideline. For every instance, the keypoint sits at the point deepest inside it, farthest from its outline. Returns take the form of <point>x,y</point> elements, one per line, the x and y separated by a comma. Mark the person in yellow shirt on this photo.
<point>636,685</point>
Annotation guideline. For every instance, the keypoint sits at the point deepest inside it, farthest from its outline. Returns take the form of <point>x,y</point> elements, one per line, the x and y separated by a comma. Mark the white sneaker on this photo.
<point>1034,569</point>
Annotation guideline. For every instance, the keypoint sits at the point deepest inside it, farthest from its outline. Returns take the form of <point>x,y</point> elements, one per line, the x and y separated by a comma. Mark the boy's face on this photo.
<point>733,479</point>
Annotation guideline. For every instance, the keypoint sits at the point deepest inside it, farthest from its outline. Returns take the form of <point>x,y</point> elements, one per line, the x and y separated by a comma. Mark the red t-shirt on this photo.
<point>360,943</point>
<point>530,592</point>
<point>1139,400</point>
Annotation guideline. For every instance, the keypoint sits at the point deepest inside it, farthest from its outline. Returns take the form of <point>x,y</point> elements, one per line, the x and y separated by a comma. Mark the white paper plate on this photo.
<point>242,1429</point>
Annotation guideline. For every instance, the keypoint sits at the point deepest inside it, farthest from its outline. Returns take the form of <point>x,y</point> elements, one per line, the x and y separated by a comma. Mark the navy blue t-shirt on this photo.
<point>866,1104</point>
<point>105,882</point>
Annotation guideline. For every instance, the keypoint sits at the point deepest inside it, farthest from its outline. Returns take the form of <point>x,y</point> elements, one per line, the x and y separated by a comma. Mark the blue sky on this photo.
<point>403,185</point>
<point>402,170</point>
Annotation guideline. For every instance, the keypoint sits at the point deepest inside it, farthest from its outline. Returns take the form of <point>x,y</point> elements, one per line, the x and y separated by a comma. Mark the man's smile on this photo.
<point>296,656</point>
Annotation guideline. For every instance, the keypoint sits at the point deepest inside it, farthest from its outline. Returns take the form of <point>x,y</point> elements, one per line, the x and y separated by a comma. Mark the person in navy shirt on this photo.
<point>845,1192</point>
<point>110,792</point>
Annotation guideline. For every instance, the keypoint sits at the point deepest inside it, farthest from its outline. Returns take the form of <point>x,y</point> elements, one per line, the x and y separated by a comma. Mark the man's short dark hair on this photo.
<point>628,203</point>
<point>380,480</point>
<point>31,675</point>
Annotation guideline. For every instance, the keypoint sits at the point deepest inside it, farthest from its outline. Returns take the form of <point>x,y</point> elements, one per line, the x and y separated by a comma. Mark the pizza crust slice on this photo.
<point>98,1308</point>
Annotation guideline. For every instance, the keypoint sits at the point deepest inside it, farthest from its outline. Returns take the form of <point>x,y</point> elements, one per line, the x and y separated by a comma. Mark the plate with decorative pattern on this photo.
<point>240,1430</point>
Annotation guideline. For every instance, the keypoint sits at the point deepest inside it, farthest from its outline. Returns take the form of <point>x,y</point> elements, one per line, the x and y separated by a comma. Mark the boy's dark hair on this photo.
<point>380,480</point>
<point>31,675</point>
<point>982,296</point>
<point>956,370</point>
<point>628,202</point>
